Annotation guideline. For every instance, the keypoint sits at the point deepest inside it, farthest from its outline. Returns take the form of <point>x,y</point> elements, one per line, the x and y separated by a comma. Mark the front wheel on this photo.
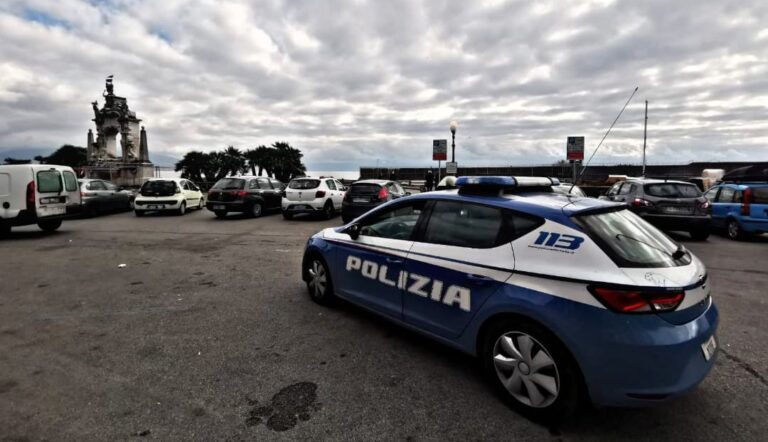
<point>49,226</point>
<point>319,284</point>
<point>532,370</point>
<point>5,228</point>
<point>182,208</point>
<point>700,234</point>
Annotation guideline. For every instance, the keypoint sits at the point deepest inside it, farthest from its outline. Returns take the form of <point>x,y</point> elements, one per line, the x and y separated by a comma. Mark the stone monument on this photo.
<point>117,124</point>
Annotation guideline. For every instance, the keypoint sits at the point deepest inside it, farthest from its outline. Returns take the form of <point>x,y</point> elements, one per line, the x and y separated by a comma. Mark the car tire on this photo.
<point>328,210</point>
<point>700,234</point>
<point>201,205</point>
<point>256,210</point>
<point>532,370</point>
<point>91,210</point>
<point>318,278</point>
<point>287,215</point>
<point>182,209</point>
<point>220,214</point>
<point>49,226</point>
<point>733,229</point>
<point>5,229</point>
<point>139,213</point>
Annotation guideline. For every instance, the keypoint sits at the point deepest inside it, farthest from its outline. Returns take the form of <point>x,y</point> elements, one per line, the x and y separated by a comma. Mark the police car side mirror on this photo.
<point>353,231</point>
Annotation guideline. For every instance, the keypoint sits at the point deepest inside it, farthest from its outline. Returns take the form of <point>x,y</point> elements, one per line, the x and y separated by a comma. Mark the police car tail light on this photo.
<point>637,301</point>
<point>320,194</point>
<point>383,194</point>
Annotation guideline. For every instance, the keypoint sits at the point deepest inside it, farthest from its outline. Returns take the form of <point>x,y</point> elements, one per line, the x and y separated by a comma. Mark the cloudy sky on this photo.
<point>356,82</point>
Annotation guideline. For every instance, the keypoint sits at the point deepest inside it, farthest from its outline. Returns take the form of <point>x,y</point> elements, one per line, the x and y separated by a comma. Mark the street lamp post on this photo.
<point>453,127</point>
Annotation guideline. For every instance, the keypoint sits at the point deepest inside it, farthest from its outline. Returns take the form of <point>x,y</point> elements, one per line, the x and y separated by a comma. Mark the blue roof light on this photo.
<point>494,181</point>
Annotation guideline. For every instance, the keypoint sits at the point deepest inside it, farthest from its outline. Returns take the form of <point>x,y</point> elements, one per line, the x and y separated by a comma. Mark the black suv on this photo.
<point>669,205</point>
<point>364,195</point>
<point>251,195</point>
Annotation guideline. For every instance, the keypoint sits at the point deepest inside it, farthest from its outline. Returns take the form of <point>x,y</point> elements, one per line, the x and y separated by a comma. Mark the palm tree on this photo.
<point>263,158</point>
<point>287,162</point>
<point>233,161</point>
<point>194,166</point>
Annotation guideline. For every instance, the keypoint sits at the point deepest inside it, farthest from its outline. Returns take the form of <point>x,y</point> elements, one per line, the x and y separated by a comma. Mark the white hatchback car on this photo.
<point>314,196</point>
<point>176,194</point>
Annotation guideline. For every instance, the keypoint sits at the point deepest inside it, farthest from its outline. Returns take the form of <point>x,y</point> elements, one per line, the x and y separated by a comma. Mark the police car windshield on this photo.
<point>631,242</point>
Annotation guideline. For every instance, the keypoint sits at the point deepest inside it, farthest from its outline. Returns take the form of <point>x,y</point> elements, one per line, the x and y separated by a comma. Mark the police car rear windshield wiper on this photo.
<point>677,254</point>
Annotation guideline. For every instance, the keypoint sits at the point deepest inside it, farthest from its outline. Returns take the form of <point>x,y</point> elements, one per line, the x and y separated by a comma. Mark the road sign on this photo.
<point>574,148</point>
<point>451,168</point>
<point>439,150</point>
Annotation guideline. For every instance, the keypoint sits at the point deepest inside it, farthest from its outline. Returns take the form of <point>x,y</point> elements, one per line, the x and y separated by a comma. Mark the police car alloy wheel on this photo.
<point>319,282</point>
<point>532,370</point>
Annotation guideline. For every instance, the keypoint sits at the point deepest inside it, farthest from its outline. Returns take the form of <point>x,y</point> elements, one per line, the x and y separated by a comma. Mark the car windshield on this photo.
<point>631,241</point>
<point>303,184</point>
<point>229,184</point>
<point>673,190</point>
<point>158,188</point>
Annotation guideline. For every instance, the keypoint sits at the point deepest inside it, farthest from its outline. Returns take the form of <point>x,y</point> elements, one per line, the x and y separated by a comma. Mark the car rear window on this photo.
<point>364,189</point>
<point>303,184</point>
<point>70,181</point>
<point>630,241</point>
<point>760,195</point>
<point>158,188</point>
<point>229,184</point>
<point>673,190</point>
<point>49,181</point>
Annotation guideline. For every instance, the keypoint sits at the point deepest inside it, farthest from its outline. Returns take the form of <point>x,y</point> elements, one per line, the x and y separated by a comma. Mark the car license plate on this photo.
<point>709,347</point>
<point>52,211</point>
<point>155,207</point>
<point>678,210</point>
<point>359,200</point>
<point>219,207</point>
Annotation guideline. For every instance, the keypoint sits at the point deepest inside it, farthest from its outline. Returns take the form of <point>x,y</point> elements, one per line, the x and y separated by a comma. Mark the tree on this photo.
<point>10,160</point>
<point>193,165</point>
<point>263,158</point>
<point>233,161</point>
<point>67,155</point>
<point>287,162</point>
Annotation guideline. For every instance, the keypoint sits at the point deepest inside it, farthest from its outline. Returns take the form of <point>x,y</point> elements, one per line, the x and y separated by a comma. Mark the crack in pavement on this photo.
<point>745,365</point>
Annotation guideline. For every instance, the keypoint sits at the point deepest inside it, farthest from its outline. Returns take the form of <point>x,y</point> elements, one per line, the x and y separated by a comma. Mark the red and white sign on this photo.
<point>439,150</point>
<point>574,149</point>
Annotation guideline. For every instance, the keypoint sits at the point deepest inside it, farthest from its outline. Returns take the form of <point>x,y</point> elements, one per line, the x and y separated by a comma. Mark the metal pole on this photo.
<point>453,146</point>
<point>438,172</point>
<point>573,164</point>
<point>645,133</point>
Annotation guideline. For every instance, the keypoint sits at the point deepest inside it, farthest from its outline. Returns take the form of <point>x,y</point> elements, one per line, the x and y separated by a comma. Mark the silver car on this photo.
<point>100,196</point>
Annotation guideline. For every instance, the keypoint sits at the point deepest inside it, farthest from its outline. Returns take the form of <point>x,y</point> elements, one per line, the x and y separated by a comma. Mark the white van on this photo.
<point>42,194</point>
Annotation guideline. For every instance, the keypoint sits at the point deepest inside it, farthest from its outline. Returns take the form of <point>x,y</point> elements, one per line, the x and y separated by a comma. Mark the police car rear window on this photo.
<point>630,241</point>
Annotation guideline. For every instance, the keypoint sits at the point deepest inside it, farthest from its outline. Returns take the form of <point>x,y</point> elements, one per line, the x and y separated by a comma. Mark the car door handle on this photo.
<point>479,279</point>
<point>394,261</point>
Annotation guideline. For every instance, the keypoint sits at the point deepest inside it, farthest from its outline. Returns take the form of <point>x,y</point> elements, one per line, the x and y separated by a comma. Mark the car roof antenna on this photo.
<point>601,141</point>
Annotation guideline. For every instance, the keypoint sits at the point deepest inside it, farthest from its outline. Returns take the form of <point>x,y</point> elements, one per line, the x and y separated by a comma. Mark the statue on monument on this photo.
<point>110,87</point>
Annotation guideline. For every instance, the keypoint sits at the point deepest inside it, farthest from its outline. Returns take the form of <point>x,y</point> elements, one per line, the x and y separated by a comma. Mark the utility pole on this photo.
<point>645,133</point>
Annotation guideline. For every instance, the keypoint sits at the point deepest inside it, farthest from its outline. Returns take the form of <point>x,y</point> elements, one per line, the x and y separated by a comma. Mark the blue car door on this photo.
<point>723,205</point>
<point>369,267</point>
<point>711,195</point>
<point>459,260</point>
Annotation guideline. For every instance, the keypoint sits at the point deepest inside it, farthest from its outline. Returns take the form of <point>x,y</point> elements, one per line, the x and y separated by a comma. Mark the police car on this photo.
<point>561,297</point>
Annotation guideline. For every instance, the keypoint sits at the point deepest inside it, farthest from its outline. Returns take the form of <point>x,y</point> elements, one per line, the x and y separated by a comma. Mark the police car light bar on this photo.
<point>505,181</point>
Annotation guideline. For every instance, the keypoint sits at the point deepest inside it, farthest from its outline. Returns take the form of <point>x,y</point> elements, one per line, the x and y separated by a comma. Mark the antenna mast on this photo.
<point>645,133</point>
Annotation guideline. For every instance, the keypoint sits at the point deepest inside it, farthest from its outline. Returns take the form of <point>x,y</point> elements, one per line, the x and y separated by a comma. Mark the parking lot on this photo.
<point>207,333</point>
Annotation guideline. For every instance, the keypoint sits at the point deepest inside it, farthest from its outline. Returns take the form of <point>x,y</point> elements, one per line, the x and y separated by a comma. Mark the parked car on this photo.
<point>251,195</point>
<point>314,196</point>
<point>739,208</point>
<point>41,194</point>
<point>98,196</point>
<point>364,195</point>
<point>168,194</point>
<point>669,205</point>
<point>568,189</point>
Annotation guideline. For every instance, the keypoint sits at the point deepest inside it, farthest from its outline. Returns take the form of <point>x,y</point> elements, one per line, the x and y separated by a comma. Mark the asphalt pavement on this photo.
<point>207,333</point>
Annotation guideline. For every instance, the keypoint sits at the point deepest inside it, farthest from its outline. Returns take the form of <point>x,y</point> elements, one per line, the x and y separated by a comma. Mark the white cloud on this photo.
<point>353,81</point>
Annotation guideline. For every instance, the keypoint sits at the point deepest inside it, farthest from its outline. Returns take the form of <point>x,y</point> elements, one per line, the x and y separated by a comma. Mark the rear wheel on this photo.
<point>182,208</point>
<point>220,214</point>
<point>256,210</point>
<point>49,226</point>
<point>699,234</point>
<point>287,215</point>
<point>5,229</point>
<point>734,230</point>
<point>532,370</point>
<point>201,205</point>
<point>139,213</point>
<point>328,210</point>
<point>319,282</point>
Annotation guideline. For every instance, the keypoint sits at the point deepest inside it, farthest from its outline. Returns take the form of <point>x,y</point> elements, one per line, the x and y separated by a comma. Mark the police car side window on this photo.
<point>396,223</point>
<point>460,224</point>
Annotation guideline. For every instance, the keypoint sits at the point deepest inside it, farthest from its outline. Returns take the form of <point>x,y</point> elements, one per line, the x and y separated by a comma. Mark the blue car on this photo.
<point>562,298</point>
<point>740,209</point>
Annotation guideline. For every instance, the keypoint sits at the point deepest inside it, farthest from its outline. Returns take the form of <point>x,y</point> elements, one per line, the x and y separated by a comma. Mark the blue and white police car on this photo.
<point>562,298</point>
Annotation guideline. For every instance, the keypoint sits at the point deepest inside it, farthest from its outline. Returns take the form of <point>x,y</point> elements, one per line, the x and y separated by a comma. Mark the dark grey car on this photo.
<point>669,205</point>
<point>364,195</point>
<point>100,196</point>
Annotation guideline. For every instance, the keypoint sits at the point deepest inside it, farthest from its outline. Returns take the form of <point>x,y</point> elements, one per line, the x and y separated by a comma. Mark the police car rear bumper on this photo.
<point>648,362</point>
